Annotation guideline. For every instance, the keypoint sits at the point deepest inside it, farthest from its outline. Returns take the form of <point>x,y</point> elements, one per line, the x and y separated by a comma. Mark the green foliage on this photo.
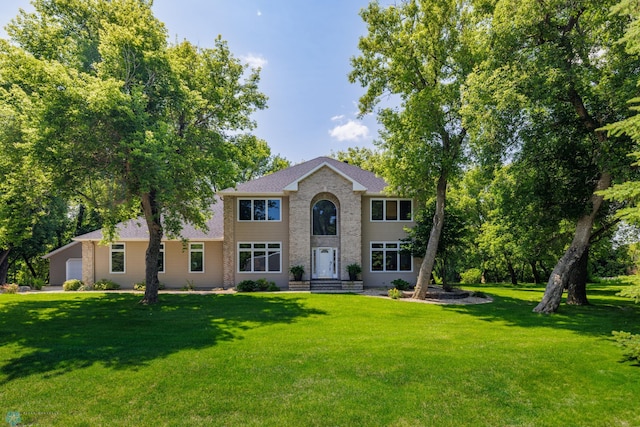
<point>259,285</point>
<point>364,158</point>
<point>246,286</point>
<point>632,292</point>
<point>354,269</point>
<point>189,286</point>
<point>72,285</point>
<point>395,293</point>
<point>401,285</point>
<point>471,276</point>
<point>630,343</point>
<point>105,285</point>
<point>107,110</point>
<point>297,271</point>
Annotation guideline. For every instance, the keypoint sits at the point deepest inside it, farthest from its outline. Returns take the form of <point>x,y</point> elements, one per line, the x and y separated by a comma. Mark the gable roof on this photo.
<point>278,183</point>
<point>137,230</point>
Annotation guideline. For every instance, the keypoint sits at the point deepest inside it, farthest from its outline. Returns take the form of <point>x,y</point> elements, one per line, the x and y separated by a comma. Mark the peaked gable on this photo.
<point>287,179</point>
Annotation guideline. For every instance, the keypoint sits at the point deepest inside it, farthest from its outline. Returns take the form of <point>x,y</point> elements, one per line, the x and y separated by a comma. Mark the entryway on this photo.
<point>324,263</point>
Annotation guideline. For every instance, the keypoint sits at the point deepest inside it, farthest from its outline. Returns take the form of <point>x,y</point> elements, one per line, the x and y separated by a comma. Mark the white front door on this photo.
<point>324,263</point>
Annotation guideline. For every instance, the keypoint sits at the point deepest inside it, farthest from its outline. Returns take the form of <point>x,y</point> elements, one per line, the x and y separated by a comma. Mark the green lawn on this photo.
<point>93,359</point>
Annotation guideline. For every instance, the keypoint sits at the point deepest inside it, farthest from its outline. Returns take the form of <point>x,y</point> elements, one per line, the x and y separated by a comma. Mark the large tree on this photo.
<point>555,76</point>
<point>133,124</point>
<point>415,55</point>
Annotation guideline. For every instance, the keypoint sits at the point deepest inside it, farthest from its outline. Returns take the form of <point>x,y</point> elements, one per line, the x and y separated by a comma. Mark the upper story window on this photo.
<point>259,210</point>
<point>325,218</point>
<point>391,210</point>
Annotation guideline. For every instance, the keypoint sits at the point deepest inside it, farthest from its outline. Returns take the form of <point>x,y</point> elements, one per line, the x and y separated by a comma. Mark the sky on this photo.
<point>303,48</point>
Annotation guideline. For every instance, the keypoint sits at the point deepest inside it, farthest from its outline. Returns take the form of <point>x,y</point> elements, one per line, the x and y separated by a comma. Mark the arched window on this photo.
<point>325,218</point>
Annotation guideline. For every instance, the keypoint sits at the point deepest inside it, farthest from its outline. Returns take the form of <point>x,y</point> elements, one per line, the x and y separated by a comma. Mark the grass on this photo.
<point>95,359</point>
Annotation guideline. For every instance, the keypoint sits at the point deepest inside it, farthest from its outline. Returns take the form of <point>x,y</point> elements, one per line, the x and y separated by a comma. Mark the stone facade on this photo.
<point>229,243</point>
<point>88,263</point>
<point>325,183</point>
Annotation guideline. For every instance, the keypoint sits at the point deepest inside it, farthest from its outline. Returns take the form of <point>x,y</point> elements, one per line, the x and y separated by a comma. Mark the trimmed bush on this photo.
<point>72,285</point>
<point>401,285</point>
<point>105,285</point>
<point>471,276</point>
<point>246,286</point>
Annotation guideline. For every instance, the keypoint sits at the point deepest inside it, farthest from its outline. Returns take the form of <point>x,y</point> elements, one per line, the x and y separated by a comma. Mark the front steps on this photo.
<point>327,286</point>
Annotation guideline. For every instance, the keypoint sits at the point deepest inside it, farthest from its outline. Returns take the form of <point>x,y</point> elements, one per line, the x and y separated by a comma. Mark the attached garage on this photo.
<point>65,263</point>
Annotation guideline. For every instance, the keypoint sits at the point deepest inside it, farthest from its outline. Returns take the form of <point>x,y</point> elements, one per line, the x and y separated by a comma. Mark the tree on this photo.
<point>364,158</point>
<point>126,120</point>
<point>416,51</point>
<point>555,76</point>
<point>254,159</point>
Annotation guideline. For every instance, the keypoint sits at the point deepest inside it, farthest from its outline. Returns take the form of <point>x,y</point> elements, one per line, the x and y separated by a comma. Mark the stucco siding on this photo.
<point>176,272</point>
<point>58,264</point>
<point>254,232</point>
<point>383,231</point>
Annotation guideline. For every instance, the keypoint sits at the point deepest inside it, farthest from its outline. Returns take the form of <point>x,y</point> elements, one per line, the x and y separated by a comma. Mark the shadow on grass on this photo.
<point>605,313</point>
<point>55,335</point>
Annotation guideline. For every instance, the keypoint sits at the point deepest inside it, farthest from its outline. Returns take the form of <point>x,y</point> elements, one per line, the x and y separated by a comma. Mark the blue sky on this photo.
<point>303,48</point>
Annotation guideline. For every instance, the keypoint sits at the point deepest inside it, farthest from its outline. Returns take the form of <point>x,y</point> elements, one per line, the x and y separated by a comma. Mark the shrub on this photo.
<point>395,293</point>
<point>401,285</point>
<point>630,343</point>
<point>139,286</point>
<point>10,288</point>
<point>471,276</point>
<point>72,285</point>
<point>105,285</point>
<point>189,286</point>
<point>262,285</point>
<point>273,287</point>
<point>246,286</point>
<point>85,288</point>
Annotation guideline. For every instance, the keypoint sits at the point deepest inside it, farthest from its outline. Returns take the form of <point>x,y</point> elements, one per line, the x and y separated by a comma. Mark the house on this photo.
<point>322,214</point>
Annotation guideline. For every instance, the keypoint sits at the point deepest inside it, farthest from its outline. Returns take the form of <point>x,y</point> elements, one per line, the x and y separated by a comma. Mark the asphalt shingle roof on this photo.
<point>276,183</point>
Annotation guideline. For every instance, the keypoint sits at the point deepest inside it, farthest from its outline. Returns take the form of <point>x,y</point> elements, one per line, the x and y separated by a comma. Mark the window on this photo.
<point>196,257</point>
<point>117,258</point>
<point>389,256</point>
<point>259,209</point>
<point>391,210</point>
<point>259,257</point>
<point>325,218</point>
<point>161,259</point>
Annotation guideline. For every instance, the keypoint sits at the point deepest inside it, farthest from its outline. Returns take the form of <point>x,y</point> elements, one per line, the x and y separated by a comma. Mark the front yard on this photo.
<point>290,359</point>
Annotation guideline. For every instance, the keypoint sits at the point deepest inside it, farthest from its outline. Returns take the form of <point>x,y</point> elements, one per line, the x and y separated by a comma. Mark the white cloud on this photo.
<point>336,118</point>
<point>255,61</point>
<point>350,131</point>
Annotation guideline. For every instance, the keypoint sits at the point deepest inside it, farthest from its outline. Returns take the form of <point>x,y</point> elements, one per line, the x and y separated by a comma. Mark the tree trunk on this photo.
<point>30,266</point>
<point>426,267</point>
<point>566,268</point>
<point>4,265</point>
<point>512,272</point>
<point>152,216</point>
<point>534,271</point>
<point>577,287</point>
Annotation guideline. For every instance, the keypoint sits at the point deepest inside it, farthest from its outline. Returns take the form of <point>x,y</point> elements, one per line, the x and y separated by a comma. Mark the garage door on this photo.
<point>74,268</point>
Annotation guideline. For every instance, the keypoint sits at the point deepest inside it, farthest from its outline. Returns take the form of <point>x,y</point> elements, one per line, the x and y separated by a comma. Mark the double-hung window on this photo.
<point>259,209</point>
<point>117,258</point>
<point>196,257</point>
<point>263,257</point>
<point>391,210</point>
<point>389,256</point>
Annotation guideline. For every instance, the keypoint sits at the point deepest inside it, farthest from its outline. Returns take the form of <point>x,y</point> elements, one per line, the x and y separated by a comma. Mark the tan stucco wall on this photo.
<point>389,231</point>
<point>176,265</point>
<point>58,264</point>
<point>270,231</point>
